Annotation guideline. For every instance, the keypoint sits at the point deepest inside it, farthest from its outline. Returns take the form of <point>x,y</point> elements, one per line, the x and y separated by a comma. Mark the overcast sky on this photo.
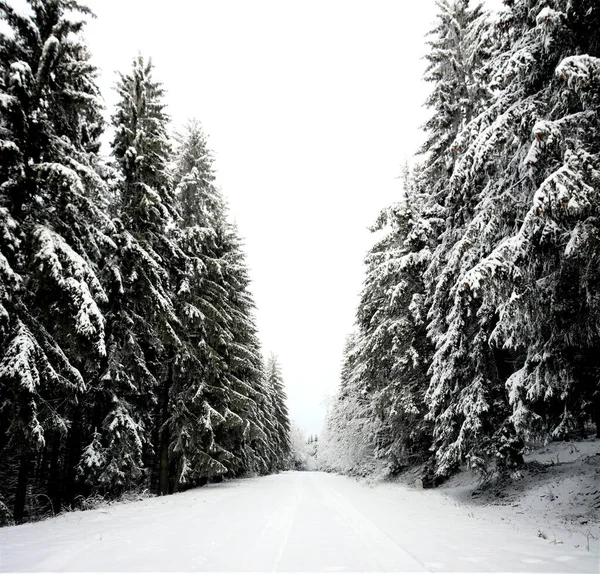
<point>311,108</point>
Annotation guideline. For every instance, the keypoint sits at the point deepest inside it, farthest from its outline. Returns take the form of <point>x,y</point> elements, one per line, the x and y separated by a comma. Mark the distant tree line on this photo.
<point>129,356</point>
<point>478,328</point>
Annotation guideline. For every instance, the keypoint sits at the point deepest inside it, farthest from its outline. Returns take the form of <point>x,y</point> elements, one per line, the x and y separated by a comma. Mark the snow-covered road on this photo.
<point>288,522</point>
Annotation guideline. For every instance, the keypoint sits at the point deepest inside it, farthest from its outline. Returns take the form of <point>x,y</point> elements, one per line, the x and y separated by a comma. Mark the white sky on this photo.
<point>311,108</point>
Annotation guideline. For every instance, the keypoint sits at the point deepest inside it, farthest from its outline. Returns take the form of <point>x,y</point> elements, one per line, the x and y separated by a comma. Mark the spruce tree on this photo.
<point>128,350</point>
<point>545,263</point>
<point>460,45</point>
<point>512,349</point>
<point>278,414</point>
<point>54,236</point>
<point>466,398</point>
<point>144,332</point>
<point>201,389</point>
<point>392,316</point>
<point>224,420</point>
<point>352,427</point>
<point>248,395</point>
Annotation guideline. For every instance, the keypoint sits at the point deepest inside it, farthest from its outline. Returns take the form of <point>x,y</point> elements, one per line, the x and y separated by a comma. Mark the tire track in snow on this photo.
<point>291,521</point>
<point>364,524</point>
<point>288,529</point>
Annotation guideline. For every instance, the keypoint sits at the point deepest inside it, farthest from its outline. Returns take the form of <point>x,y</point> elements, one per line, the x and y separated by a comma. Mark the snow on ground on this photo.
<point>557,497</point>
<point>293,521</point>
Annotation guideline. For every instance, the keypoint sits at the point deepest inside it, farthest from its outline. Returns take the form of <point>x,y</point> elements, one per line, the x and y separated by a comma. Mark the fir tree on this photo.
<point>279,414</point>
<point>144,332</point>
<point>201,390</point>
<point>352,427</point>
<point>502,372</point>
<point>545,262</point>
<point>395,350</point>
<point>223,421</point>
<point>128,350</point>
<point>54,235</point>
<point>248,395</point>
<point>460,46</point>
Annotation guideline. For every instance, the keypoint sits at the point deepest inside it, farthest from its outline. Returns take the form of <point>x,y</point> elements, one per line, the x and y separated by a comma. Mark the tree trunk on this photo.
<point>21,492</point>
<point>164,436</point>
<point>72,455</point>
<point>54,482</point>
<point>164,462</point>
<point>176,477</point>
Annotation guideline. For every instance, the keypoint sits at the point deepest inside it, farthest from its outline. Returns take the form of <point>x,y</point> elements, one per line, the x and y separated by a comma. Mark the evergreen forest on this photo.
<point>478,329</point>
<point>130,360</point>
<point>129,355</point>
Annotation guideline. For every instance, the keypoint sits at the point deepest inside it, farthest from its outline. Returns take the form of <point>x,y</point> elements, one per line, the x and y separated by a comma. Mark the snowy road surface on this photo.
<point>288,522</point>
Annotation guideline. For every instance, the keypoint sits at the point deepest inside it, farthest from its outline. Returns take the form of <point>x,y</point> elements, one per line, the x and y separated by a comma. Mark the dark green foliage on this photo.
<point>128,352</point>
<point>279,419</point>
<point>54,233</point>
<point>488,274</point>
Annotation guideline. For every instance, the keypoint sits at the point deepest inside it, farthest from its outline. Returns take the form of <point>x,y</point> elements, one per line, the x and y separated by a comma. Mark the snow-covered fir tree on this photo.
<point>54,237</point>
<point>458,356</point>
<point>349,440</point>
<point>460,45</point>
<point>248,394</point>
<point>395,352</point>
<point>312,452</point>
<point>221,382</point>
<point>511,338</point>
<point>279,414</point>
<point>540,272</point>
<point>143,331</point>
<point>299,456</point>
<point>478,320</point>
<point>200,391</point>
<point>128,351</point>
